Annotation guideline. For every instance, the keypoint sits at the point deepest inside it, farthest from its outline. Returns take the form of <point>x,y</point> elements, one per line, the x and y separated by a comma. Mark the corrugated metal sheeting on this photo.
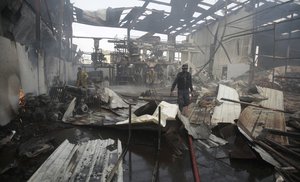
<point>89,161</point>
<point>256,119</point>
<point>227,112</point>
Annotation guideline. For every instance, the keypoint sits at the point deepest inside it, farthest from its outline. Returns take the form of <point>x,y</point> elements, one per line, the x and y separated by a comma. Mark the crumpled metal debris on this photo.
<point>208,101</point>
<point>35,147</point>
<point>7,139</point>
<point>40,108</point>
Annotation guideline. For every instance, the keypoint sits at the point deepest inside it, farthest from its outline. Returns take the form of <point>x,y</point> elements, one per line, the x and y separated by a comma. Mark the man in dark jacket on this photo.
<point>184,84</point>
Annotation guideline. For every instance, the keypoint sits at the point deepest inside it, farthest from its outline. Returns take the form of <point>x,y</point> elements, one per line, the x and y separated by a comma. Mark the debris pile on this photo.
<point>40,108</point>
<point>259,130</point>
<point>290,82</point>
<point>229,119</point>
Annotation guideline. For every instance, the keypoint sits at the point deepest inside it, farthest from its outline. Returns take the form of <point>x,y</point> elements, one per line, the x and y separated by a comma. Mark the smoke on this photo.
<point>9,96</point>
<point>13,88</point>
<point>4,115</point>
<point>9,80</point>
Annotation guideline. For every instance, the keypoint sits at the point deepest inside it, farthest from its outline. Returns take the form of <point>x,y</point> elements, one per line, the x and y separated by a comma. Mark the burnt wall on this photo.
<point>10,82</point>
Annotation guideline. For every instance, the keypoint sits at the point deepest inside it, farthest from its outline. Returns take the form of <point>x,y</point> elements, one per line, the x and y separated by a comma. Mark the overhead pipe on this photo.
<point>128,144</point>
<point>38,37</point>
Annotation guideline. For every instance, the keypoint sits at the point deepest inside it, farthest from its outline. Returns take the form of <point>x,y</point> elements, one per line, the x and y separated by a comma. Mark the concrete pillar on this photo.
<point>189,57</point>
<point>42,88</point>
<point>171,54</point>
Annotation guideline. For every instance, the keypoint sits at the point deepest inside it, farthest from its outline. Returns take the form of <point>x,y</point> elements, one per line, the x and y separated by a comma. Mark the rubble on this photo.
<point>40,108</point>
<point>34,147</point>
<point>245,110</point>
<point>168,112</point>
<point>255,135</point>
<point>226,140</point>
<point>7,139</point>
<point>290,81</point>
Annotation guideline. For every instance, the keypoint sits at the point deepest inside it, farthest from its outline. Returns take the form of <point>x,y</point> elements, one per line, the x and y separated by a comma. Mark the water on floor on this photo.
<point>139,163</point>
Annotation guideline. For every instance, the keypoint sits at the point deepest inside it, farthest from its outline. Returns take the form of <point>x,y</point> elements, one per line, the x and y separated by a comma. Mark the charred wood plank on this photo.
<point>255,105</point>
<point>282,148</point>
<point>278,156</point>
<point>288,175</point>
<point>282,133</point>
<point>295,124</point>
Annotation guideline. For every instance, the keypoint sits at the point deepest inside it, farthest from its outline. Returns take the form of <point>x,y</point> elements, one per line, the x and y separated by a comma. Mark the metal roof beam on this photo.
<point>205,4</point>
<point>210,12</point>
<point>158,2</point>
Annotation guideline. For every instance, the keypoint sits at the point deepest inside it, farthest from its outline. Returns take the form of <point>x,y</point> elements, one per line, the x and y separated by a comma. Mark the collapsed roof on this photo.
<point>176,17</point>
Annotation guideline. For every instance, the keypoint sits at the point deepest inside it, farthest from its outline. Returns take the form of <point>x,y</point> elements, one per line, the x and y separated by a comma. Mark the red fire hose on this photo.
<point>193,158</point>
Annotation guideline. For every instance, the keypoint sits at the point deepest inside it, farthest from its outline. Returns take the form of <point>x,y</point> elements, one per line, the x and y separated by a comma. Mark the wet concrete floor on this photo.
<point>140,160</point>
<point>140,166</point>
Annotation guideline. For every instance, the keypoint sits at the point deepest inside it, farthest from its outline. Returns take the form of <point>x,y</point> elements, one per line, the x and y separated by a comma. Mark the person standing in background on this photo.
<point>81,78</point>
<point>184,84</point>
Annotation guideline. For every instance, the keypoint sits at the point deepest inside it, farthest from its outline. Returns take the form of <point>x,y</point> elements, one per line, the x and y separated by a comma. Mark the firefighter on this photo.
<point>81,78</point>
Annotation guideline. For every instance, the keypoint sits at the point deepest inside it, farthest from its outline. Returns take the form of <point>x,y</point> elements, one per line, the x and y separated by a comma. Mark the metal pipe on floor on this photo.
<point>159,128</point>
<point>129,126</point>
<point>128,144</point>
<point>130,166</point>
<point>155,174</point>
<point>193,158</point>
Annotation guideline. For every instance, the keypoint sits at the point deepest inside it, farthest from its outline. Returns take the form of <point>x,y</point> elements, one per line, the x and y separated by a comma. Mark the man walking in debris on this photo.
<point>81,78</point>
<point>184,84</point>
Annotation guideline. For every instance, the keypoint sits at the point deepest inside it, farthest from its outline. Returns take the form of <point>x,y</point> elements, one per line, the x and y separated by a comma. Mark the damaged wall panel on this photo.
<point>239,51</point>
<point>20,70</point>
<point>59,70</point>
<point>24,30</point>
<point>238,48</point>
<point>9,80</point>
<point>29,71</point>
<point>235,70</point>
<point>71,72</point>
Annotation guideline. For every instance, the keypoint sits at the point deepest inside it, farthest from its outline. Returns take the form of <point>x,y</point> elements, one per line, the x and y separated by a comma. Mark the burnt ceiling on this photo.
<point>182,17</point>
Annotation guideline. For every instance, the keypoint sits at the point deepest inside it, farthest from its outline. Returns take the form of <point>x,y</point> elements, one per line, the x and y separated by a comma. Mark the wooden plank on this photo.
<point>255,105</point>
<point>263,153</point>
<point>283,133</point>
<point>254,120</point>
<point>285,161</point>
<point>199,115</point>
